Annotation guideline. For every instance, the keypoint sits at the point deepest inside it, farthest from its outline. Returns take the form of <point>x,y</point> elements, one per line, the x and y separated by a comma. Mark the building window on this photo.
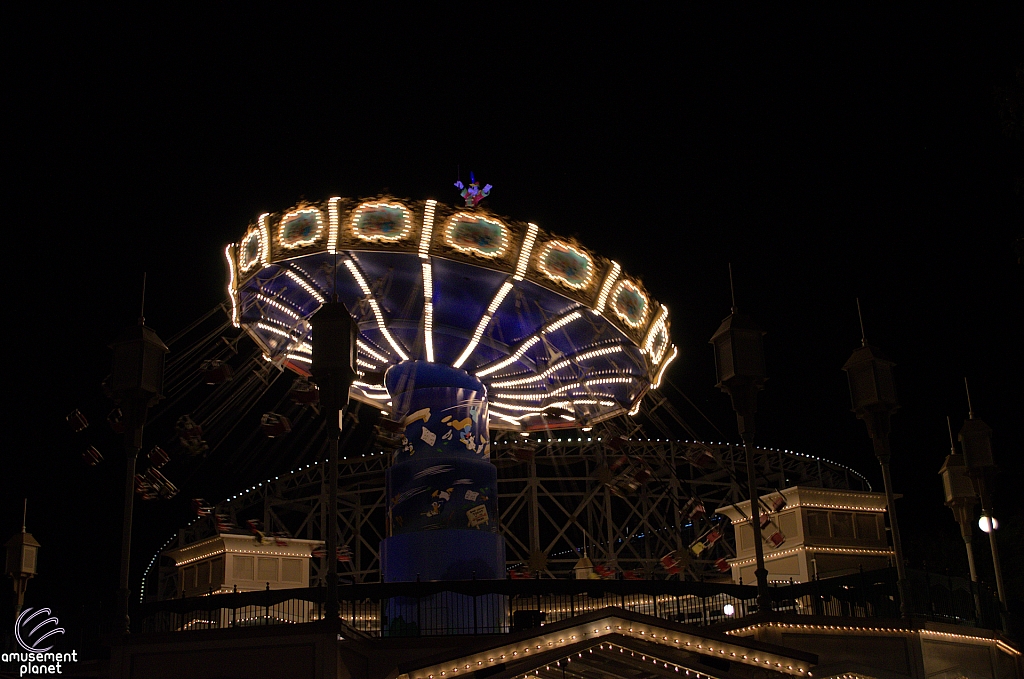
<point>867,526</point>
<point>817,524</point>
<point>217,572</point>
<point>291,570</point>
<point>267,570</point>
<point>188,580</point>
<point>203,574</point>
<point>842,524</point>
<point>242,567</point>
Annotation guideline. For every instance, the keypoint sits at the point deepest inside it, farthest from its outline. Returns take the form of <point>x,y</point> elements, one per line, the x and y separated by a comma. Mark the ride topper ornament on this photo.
<point>473,194</point>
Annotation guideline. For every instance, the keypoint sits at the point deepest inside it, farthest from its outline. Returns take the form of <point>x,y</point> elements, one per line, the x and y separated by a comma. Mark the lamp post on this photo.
<point>333,369</point>
<point>136,384</point>
<point>739,365</point>
<point>961,498</point>
<point>22,557</point>
<point>873,395</point>
<point>976,440</point>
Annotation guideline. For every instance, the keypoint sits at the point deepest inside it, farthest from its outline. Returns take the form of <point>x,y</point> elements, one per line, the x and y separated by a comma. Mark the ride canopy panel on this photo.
<point>558,336</point>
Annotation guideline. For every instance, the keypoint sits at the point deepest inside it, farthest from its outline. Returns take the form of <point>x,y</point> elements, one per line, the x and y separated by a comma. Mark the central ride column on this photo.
<point>442,495</point>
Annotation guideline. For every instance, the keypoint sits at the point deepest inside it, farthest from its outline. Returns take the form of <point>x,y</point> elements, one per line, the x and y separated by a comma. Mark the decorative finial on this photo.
<point>142,308</point>
<point>970,408</point>
<point>860,317</point>
<point>732,289</point>
<point>24,516</point>
<point>473,194</point>
<point>952,446</point>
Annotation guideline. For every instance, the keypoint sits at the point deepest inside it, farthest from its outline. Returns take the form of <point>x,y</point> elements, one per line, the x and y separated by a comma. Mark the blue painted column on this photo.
<point>442,500</point>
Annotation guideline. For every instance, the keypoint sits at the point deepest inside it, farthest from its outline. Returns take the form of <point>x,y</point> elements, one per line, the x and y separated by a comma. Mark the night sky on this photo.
<point>859,153</point>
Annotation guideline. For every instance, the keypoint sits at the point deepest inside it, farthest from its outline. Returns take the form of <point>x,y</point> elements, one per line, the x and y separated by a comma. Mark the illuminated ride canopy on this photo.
<point>559,336</point>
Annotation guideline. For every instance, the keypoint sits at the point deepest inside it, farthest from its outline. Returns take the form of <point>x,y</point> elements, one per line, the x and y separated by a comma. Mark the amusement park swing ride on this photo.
<point>509,371</point>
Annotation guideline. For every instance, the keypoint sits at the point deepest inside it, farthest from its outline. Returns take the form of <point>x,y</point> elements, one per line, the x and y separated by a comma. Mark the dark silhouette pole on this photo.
<point>333,369</point>
<point>976,439</point>
<point>136,384</point>
<point>873,394</point>
<point>739,363</point>
<point>22,560</point>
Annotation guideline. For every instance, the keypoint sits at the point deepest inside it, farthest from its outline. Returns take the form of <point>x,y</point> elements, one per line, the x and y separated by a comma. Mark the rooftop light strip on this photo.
<point>825,550</point>
<point>485,320</point>
<point>305,285</point>
<point>428,228</point>
<point>334,220</point>
<point>428,306</point>
<point>232,284</point>
<point>606,287</point>
<point>661,371</point>
<point>358,276</point>
<point>264,236</point>
<point>301,359</point>
<point>525,250</point>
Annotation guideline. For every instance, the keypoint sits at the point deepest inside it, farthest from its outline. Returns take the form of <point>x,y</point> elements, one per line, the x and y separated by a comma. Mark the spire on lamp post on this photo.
<point>873,397</point>
<point>739,365</point>
<point>22,560</point>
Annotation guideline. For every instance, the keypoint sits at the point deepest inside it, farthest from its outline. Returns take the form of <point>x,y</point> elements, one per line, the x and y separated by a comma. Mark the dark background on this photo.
<point>849,153</point>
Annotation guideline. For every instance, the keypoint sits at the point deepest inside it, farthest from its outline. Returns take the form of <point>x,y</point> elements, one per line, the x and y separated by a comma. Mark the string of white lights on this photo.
<point>529,342</point>
<point>525,250</point>
<point>485,320</point>
<point>229,253</point>
<point>575,358</point>
<point>661,371</point>
<point>428,228</point>
<point>606,287</point>
<point>277,305</point>
<point>353,268</point>
<point>264,239</point>
<point>428,310</point>
<point>305,285</point>
<point>334,220</point>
